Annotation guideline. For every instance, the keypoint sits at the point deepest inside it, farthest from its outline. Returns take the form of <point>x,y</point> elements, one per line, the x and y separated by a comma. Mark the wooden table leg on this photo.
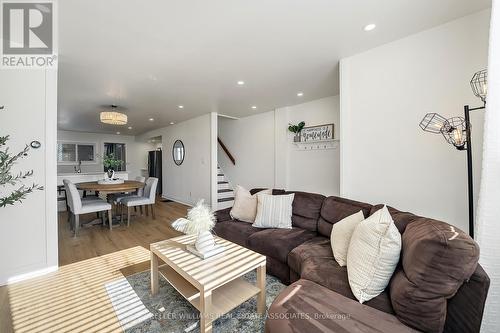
<point>110,218</point>
<point>154,274</point>
<point>261,284</point>
<point>206,316</point>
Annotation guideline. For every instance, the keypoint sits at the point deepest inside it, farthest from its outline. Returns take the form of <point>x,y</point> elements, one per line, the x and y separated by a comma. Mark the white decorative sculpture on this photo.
<point>200,221</point>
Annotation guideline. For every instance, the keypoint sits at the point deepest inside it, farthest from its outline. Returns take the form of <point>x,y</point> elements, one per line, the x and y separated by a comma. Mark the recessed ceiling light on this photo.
<point>370,27</point>
<point>300,94</point>
<point>180,106</point>
<point>118,133</point>
<point>240,83</point>
<point>254,107</point>
<point>151,119</point>
<point>171,123</point>
<point>130,127</point>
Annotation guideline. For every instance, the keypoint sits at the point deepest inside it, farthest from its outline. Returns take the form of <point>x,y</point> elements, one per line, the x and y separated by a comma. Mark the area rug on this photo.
<point>168,311</point>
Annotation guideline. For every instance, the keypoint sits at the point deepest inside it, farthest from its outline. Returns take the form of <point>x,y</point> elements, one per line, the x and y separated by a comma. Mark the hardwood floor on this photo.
<point>74,299</point>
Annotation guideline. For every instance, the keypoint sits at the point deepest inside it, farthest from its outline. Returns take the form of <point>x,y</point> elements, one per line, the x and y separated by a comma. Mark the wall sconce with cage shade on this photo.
<point>457,131</point>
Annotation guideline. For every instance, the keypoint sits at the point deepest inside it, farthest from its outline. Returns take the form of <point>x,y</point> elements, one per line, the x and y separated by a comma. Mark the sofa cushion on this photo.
<point>306,306</point>
<point>335,209</point>
<point>274,211</point>
<point>235,231</point>
<point>223,215</point>
<point>306,208</point>
<point>401,219</point>
<point>274,191</point>
<point>373,255</point>
<point>277,243</point>
<point>436,260</point>
<point>342,232</point>
<point>245,204</point>
<point>328,273</point>
<point>316,247</point>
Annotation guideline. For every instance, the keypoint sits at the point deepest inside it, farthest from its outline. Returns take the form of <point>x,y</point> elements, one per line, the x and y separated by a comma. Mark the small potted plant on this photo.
<point>110,164</point>
<point>296,129</point>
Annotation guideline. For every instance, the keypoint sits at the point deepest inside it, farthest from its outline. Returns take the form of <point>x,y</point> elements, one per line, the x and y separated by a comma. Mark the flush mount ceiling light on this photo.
<point>240,83</point>
<point>180,106</point>
<point>112,117</point>
<point>130,127</point>
<point>171,123</point>
<point>300,94</point>
<point>254,107</point>
<point>370,27</point>
<point>151,119</point>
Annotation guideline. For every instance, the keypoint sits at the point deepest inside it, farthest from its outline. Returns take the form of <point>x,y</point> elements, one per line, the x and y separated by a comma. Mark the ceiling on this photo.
<point>150,56</point>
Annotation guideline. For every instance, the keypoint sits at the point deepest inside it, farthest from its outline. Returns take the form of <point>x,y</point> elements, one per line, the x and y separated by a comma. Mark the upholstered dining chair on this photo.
<point>87,198</point>
<point>147,199</point>
<point>140,192</point>
<point>78,206</point>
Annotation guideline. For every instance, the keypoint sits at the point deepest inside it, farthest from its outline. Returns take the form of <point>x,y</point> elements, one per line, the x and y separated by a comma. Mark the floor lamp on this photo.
<point>457,131</point>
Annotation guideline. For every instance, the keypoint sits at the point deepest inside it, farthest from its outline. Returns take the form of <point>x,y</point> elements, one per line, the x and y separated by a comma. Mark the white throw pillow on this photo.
<point>373,255</point>
<point>245,204</point>
<point>340,237</point>
<point>274,211</point>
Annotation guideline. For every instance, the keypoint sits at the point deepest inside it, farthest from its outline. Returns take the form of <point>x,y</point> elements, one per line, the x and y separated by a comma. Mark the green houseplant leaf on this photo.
<point>296,128</point>
<point>7,160</point>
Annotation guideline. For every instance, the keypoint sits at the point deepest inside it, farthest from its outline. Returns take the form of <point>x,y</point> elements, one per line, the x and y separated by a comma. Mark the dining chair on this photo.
<point>140,191</point>
<point>79,206</point>
<point>88,198</point>
<point>147,199</point>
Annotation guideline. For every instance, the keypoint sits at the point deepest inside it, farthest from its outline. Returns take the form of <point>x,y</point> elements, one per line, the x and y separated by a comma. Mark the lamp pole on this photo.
<point>470,182</point>
<point>470,176</point>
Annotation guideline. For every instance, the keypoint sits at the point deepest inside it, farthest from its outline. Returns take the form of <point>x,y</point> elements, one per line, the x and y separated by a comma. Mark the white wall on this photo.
<point>192,180</point>
<point>267,157</point>
<point>385,92</point>
<point>136,151</point>
<point>308,170</point>
<point>251,142</point>
<point>28,230</point>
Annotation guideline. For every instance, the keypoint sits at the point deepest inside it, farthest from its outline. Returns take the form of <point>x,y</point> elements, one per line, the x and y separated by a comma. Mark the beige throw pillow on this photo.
<point>341,236</point>
<point>274,211</point>
<point>373,255</point>
<point>245,204</point>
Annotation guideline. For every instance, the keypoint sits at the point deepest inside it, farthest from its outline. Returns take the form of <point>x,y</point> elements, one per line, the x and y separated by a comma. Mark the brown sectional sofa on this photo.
<point>302,256</point>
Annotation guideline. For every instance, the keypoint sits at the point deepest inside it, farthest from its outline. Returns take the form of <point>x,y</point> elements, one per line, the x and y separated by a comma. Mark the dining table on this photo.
<point>105,189</point>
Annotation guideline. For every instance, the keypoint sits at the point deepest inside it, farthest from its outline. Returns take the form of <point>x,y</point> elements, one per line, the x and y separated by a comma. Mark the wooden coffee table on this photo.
<point>215,285</point>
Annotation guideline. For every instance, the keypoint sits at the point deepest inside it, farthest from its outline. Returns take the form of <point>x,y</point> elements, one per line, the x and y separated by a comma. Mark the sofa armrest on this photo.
<point>465,309</point>
<point>305,306</point>
<point>223,215</point>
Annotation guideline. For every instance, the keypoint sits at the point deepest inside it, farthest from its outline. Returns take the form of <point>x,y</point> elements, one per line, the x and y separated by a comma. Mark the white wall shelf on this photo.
<point>317,145</point>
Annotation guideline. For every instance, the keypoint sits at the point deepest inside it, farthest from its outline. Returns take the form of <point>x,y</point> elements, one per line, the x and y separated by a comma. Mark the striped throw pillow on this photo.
<point>274,211</point>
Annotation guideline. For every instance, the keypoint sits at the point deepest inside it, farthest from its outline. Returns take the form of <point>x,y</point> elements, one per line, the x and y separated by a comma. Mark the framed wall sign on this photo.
<point>317,133</point>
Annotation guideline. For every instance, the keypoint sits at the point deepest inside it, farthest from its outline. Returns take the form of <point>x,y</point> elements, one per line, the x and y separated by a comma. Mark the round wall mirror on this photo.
<point>178,152</point>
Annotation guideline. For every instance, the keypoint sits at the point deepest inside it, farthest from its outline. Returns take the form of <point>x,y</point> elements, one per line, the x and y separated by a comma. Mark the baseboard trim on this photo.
<point>176,200</point>
<point>27,276</point>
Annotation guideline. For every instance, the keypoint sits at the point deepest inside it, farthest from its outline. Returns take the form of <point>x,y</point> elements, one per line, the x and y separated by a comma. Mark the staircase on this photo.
<point>225,194</point>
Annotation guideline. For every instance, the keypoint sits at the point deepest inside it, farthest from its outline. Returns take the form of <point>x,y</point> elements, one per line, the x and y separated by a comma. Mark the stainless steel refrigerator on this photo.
<point>154,168</point>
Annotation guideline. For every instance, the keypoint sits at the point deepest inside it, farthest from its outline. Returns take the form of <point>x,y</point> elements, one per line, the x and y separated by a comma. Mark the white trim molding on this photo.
<point>30,275</point>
